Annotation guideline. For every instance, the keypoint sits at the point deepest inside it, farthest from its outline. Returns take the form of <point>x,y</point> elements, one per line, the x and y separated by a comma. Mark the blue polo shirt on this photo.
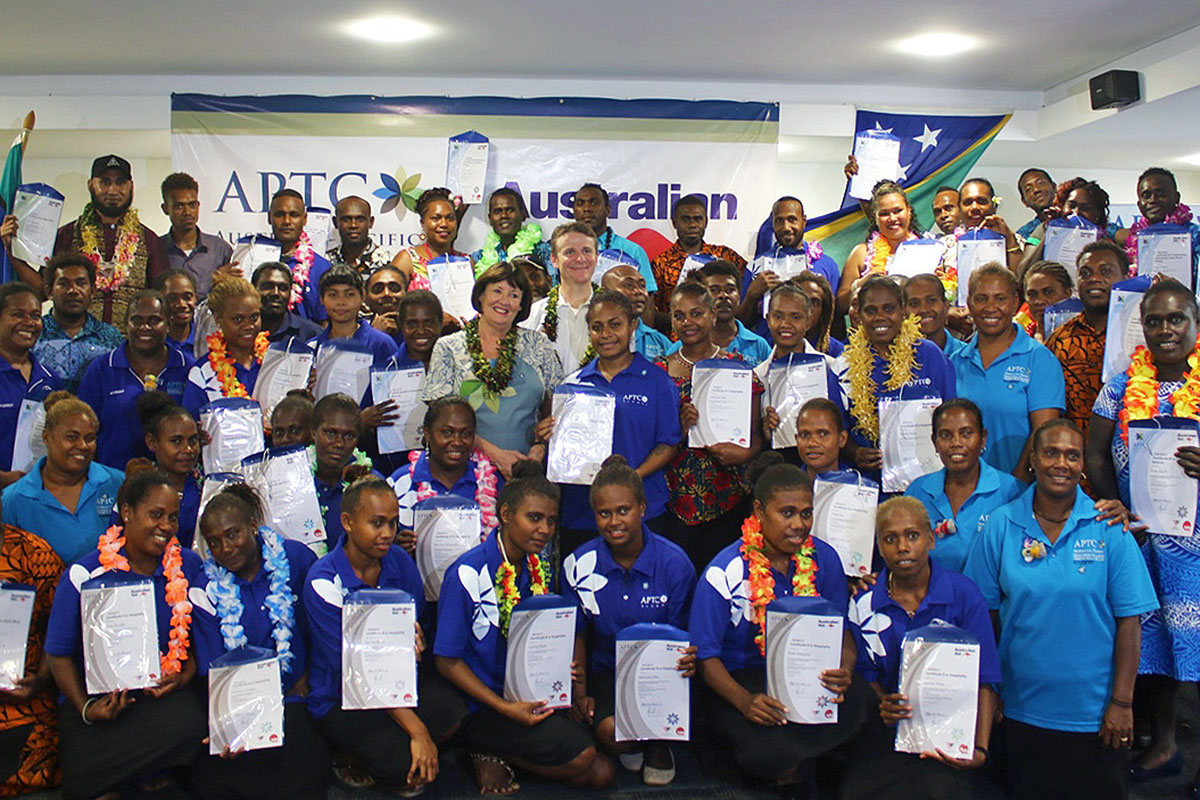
<point>657,588</point>
<point>70,356</point>
<point>203,386</point>
<point>188,345</point>
<point>721,620</point>
<point>1058,613</point>
<point>329,581</point>
<point>650,343</point>
<point>189,512</point>
<point>994,489</point>
<point>1024,378</point>
<point>112,389</point>
<point>953,345</point>
<point>27,505</point>
<point>64,635</point>
<point>256,619</point>
<point>330,499</point>
<point>610,240</point>
<point>311,306</point>
<point>13,390</point>
<point>407,477</point>
<point>647,415</point>
<point>879,624</point>
<point>745,342</point>
<point>382,346</point>
<point>294,326</point>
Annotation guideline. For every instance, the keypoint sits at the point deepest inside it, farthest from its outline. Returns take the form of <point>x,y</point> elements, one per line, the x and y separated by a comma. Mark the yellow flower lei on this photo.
<point>860,359</point>
<point>222,363</point>
<point>129,234</point>
<point>762,584</point>
<point>1141,391</point>
<point>506,584</point>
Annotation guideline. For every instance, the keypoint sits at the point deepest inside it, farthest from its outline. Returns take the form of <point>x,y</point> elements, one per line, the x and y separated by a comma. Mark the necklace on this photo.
<point>690,363</point>
<point>491,379</point>
<point>486,490</point>
<point>550,322</point>
<point>1055,520</point>
<point>762,583</point>
<point>911,614</point>
<point>127,252</point>
<point>1141,392</point>
<point>528,238</point>
<point>899,367</point>
<point>304,256</point>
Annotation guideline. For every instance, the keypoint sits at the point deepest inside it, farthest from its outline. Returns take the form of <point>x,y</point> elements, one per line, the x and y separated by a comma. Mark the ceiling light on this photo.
<point>936,45</point>
<point>1193,159</point>
<point>389,29</point>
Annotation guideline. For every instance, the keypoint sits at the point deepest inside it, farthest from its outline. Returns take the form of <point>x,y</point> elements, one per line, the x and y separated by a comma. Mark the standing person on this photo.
<point>722,280</point>
<point>1158,201</point>
<point>706,486</point>
<point>439,223</point>
<point>288,216</point>
<point>1016,382</point>
<point>235,350</point>
<point>178,288</point>
<point>925,296</point>
<point>591,207</point>
<point>893,222</point>
<point>562,314</point>
<point>335,458</point>
<point>820,297</point>
<point>689,218</point>
<point>22,376</point>
<point>1069,628</point>
<point>1045,283</point>
<point>113,383</point>
<point>947,214</point>
<point>67,497</point>
<point>386,287</point>
<point>173,439</point>
<point>512,234</point>
<point>71,337</point>
<point>626,279</point>
<point>1076,197</point>
<point>188,248</point>
<point>273,282</point>
<point>353,219</point>
<point>1037,194</point>
<point>980,209</point>
<point>341,293</point>
<point>787,226</point>
<point>109,740</point>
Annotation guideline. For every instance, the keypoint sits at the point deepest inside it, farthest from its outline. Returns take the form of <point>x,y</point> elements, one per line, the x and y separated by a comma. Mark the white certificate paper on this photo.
<point>452,278</point>
<point>583,434</point>
<point>283,479</point>
<point>789,386</point>
<point>906,439</point>
<point>1124,332</point>
<point>541,644</point>
<point>235,432</point>
<point>38,209</point>
<point>120,636</point>
<point>1168,254</point>
<point>28,446</point>
<point>245,707</point>
<point>342,370</point>
<point>281,372</point>
<point>974,253</point>
<point>403,386</point>
<point>723,397</point>
<point>1064,244</point>
<point>878,156</point>
<point>799,648</point>
<point>916,257</point>
<point>652,696</point>
<point>16,612</point>
<point>466,166</point>
<point>1160,492</point>
<point>444,532</point>
<point>250,251</point>
<point>379,655</point>
<point>318,227</point>
<point>941,680</point>
<point>844,517</point>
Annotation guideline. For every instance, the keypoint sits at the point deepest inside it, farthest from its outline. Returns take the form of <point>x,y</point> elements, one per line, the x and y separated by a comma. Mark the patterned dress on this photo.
<point>421,256</point>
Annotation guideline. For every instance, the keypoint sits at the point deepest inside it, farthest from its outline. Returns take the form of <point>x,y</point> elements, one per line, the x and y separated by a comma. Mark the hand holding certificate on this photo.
<point>452,278</point>
<point>541,644</point>
<point>1161,493</point>
<point>652,695</point>
<point>234,427</point>
<point>38,209</point>
<point>583,433</point>
<point>1124,331</point>
<point>403,387</point>
<point>253,250</point>
<point>466,166</point>
<point>804,638</point>
<point>283,478</point>
<point>1065,240</point>
<point>939,673</point>
<point>906,439</point>
<point>722,394</point>
<point>446,526</point>
<point>344,366</point>
<point>16,612</point>
<point>916,257</point>
<point>379,650</point>
<point>792,381</point>
<point>245,701</point>
<point>120,632</point>
<point>1166,249</point>
<point>976,247</point>
<point>878,156</point>
<point>285,366</point>
<point>844,517</point>
<point>28,445</point>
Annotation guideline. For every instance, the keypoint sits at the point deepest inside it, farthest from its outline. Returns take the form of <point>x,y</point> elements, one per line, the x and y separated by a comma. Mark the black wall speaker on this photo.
<point>1113,89</point>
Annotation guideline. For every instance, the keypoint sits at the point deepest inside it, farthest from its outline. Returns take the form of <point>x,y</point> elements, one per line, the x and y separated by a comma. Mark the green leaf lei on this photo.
<point>550,321</point>
<point>494,378</point>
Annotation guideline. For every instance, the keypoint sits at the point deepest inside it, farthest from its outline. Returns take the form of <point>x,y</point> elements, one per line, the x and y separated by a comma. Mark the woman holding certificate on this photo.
<point>1068,589</point>
<point>776,556</point>
<point>117,735</point>
<point>439,223</point>
<point>1074,198</point>
<point>335,458</point>
<point>23,379</point>
<point>255,579</point>
<point>624,576</point>
<point>235,351</point>
<point>477,601</point>
<point>820,299</point>
<point>1045,283</point>
<point>506,372</point>
<point>174,442</point>
<point>892,221</point>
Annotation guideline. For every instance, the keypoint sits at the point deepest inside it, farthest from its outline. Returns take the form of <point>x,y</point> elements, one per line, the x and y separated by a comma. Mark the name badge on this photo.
<point>1089,550</point>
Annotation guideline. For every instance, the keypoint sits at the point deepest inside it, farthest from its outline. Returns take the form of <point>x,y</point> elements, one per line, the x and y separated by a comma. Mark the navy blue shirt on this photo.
<point>330,499</point>
<point>294,326</point>
<point>310,303</point>
<point>382,346</point>
<point>13,390</point>
<point>405,480</point>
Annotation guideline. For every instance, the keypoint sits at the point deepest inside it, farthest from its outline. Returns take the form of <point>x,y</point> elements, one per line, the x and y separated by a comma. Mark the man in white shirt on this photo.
<point>562,315</point>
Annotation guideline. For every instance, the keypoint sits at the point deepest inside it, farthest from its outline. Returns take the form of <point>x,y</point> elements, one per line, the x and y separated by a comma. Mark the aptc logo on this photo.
<point>398,193</point>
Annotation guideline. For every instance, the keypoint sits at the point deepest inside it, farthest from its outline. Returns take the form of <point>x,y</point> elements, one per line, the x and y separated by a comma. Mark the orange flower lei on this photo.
<point>510,595</point>
<point>110,544</point>
<point>222,364</point>
<point>762,584</point>
<point>1141,392</point>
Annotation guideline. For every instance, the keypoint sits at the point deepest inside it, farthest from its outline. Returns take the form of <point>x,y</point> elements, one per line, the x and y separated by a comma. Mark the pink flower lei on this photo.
<point>304,255</point>
<point>1181,215</point>
<point>486,489</point>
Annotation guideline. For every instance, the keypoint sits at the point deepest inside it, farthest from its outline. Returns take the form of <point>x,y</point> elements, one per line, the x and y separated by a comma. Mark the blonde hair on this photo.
<point>225,289</point>
<point>61,406</point>
<point>898,505</point>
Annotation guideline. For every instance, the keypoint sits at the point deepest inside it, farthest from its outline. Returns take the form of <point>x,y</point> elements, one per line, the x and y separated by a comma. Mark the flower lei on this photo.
<point>110,544</point>
<point>485,488</point>
<point>304,255</point>
<point>280,602</point>
<point>860,358</point>
<point>529,237</point>
<point>762,584</point>
<point>1180,215</point>
<point>550,322</point>
<point>879,253</point>
<point>222,363</point>
<point>357,458</point>
<point>506,585</point>
<point>494,378</point>
<point>129,235</point>
<point>1141,391</point>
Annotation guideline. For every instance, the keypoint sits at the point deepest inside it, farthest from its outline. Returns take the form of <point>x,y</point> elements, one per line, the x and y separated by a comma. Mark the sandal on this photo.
<point>481,762</point>
<point>352,777</point>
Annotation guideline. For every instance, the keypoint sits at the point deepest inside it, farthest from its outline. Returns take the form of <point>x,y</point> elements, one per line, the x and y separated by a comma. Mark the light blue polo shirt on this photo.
<point>994,489</point>
<point>953,345</point>
<point>1058,613</point>
<point>72,534</point>
<point>1024,378</point>
<point>650,343</point>
<point>746,343</point>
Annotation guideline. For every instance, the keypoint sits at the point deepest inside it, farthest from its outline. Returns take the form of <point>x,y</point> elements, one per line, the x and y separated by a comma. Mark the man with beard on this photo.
<point>512,234</point>
<point>71,337</point>
<point>352,216</point>
<point>188,248</point>
<point>721,279</point>
<point>689,217</point>
<point>946,212</point>
<point>288,216</point>
<point>273,282</point>
<point>1037,193</point>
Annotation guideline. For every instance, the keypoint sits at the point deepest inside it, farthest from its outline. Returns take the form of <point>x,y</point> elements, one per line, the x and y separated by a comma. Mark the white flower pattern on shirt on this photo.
<point>584,580</point>
<point>732,585</point>
<point>485,613</point>
<point>869,623</point>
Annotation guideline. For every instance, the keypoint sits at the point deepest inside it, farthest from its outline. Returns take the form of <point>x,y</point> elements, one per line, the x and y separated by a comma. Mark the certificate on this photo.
<point>906,439</point>
<point>583,433</point>
<point>792,381</point>
<point>285,366</point>
<point>283,478</point>
<point>692,263</point>
<point>16,612</point>
<point>234,426</point>
<point>452,278</point>
<point>939,673</point>
<point>28,446</point>
<point>466,166</point>
<point>916,257</point>
<point>1124,326</point>
<point>1160,492</point>
<point>804,638</point>
<point>608,259</point>
<point>245,701</point>
<point>974,249</point>
<point>1065,240</point>
<point>38,209</point>
<point>214,482</point>
<point>120,632</point>
<point>203,325</point>
<point>402,386</point>
<point>541,644</point>
<point>317,227</point>
<point>1166,250</point>
<point>379,650</point>
<point>844,517</point>
<point>253,250</point>
<point>651,695</point>
<point>446,527</point>
<point>722,393</point>
<point>343,366</point>
<point>878,156</point>
<point>1056,315</point>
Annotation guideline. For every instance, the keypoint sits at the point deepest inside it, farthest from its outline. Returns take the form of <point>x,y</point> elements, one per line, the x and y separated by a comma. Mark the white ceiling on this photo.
<point>1029,45</point>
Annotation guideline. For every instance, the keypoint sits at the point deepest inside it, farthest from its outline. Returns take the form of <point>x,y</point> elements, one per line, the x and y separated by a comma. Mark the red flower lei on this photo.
<point>1141,392</point>
<point>222,363</point>
<point>506,585</point>
<point>762,583</point>
<point>110,544</point>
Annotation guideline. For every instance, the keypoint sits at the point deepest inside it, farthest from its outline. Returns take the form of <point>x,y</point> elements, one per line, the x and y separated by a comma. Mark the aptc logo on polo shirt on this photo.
<point>1015,374</point>
<point>655,601</point>
<point>635,399</point>
<point>104,505</point>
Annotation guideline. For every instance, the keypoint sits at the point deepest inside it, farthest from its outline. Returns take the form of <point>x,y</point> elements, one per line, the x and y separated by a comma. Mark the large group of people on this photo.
<point>113,353</point>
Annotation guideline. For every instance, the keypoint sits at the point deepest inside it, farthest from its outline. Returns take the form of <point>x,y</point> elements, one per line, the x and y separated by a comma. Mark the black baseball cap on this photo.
<point>104,163</point>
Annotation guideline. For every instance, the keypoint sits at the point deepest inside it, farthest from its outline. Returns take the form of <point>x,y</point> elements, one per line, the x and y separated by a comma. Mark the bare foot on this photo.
<point>493,775</point>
